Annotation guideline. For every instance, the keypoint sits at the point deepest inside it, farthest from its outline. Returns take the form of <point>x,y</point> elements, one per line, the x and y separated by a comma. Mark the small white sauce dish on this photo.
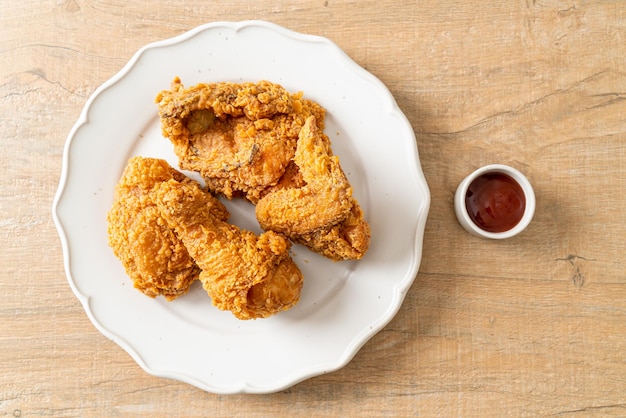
<point>461,210</point>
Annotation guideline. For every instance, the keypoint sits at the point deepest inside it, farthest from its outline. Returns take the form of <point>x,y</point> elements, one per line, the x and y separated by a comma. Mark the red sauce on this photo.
<point>495,202</point>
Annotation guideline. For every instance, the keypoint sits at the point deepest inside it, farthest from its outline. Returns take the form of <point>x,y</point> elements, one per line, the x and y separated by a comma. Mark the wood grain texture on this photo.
<point>532,326</point>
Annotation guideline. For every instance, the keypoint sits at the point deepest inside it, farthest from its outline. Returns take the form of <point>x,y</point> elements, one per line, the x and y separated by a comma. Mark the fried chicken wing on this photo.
<point>155,259</point>
<point>316,207</point>
<point>324,199</point>
<point>252,276</point>
<point>239,137</point>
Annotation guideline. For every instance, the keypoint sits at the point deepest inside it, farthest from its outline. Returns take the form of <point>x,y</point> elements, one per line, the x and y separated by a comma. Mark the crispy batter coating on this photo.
<point>155,259</point>
<point>239,137</point>
<point>347,240</point>
<point>316,208</point>
<point>251,276</point>
<point>324,199</point>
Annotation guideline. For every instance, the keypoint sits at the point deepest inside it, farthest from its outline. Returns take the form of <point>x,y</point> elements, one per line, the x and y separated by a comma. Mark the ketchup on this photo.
<point>495,202</point>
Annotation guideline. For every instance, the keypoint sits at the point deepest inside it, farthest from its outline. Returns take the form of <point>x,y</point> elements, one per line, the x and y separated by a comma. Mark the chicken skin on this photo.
<point>315,207</point>
<point>239,137</point>
<point>251,276</point>
<point>154,258</point>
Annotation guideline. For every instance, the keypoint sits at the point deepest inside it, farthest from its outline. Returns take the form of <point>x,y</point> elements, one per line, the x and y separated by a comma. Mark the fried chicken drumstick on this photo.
<point>155,259</point>
<point>252,276</point>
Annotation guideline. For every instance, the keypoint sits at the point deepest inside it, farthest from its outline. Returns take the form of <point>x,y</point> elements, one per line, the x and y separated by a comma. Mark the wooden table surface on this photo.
<point>531,326</point>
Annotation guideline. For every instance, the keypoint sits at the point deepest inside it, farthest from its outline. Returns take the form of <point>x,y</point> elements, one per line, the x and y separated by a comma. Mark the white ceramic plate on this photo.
<point>342,304</point>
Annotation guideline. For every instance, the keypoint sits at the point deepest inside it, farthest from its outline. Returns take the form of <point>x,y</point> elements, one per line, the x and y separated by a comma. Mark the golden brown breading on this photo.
<point>154,258</point>
<point>324,199</point>
<point>252,276</point>
<point>317,209</point>
<point>239,137</point>
<point>347,240</point>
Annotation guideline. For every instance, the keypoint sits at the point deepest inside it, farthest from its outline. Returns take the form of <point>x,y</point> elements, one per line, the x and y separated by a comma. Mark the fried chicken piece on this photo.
<point>251,276</point>
<point>239,137</point>
<point>315,207</point>
<point>325,197</point>
<point>155,259</point>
